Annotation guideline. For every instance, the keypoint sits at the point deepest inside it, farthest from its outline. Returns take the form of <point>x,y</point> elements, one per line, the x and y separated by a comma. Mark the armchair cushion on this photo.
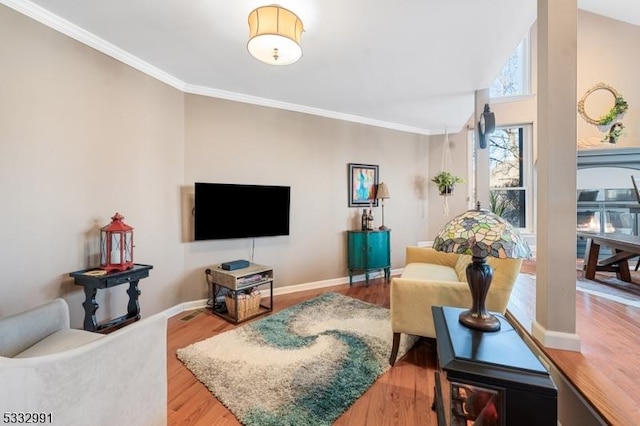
<point>61,340</point>
<point>428,272</point>
<point>461,266</point>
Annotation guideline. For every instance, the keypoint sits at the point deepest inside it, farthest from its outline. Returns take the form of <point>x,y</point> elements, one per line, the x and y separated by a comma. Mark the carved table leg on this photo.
<point>623,270</point>
<point>591,253</point>
<point>133,308</point>
<point>90,307</point>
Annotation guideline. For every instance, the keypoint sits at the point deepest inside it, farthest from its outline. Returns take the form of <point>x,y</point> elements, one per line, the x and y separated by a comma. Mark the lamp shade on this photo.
<point>481,233</point>
<point>274,35</point>
<point>382,191</point>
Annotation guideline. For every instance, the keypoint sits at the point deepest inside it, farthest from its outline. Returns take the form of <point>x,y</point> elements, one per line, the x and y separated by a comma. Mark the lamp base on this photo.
<point>383,228</point>
<point>479,321</point>
<point>479,275</point>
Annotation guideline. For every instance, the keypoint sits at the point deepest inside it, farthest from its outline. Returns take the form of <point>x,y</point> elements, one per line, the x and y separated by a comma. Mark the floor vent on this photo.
<point>192,315</point>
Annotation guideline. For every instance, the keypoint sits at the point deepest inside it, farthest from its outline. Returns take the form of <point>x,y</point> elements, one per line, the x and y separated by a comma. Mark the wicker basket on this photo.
<point>248,304</point>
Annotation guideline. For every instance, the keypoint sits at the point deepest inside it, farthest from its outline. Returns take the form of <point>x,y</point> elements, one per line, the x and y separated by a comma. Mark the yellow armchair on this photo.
<point>434,278</point>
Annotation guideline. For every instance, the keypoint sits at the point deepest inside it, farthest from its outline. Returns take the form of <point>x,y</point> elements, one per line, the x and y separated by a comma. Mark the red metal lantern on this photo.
<point>116,245</point>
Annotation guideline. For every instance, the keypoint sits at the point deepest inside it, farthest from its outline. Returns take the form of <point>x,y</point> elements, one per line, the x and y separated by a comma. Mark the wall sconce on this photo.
<point>486,126</point>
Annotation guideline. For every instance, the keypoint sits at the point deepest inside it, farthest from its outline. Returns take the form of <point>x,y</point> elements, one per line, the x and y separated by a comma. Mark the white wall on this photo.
<point>606,53</point>
<point>83,136</point>
<point>458,201</point>
<point>230,142</point>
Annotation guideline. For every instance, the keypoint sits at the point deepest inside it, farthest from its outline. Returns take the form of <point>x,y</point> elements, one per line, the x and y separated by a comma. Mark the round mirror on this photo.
<point>602,105</point>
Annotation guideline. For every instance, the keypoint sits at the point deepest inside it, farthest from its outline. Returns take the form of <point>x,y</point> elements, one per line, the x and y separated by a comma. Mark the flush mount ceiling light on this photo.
<point>274,35</point>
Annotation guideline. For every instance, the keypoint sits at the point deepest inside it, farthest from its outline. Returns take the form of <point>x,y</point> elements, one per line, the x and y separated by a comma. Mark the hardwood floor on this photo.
<point>402,396</point>
<point>605,372</point>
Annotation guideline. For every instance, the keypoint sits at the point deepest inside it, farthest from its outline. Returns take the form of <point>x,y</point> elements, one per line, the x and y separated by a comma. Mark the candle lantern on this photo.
<point>116,245</point>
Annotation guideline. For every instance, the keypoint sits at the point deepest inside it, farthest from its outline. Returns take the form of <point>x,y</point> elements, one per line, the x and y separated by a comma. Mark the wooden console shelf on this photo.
<point>94,279</point>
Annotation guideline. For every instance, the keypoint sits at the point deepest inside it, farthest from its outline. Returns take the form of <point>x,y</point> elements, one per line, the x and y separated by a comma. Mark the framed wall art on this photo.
<point>363,181</point>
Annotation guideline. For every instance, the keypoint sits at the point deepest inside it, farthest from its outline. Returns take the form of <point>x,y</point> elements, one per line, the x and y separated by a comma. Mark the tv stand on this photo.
<point>238,282</point>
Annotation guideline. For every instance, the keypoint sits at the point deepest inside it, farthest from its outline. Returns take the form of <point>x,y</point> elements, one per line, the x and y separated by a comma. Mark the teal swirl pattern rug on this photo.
<point>305,365</point>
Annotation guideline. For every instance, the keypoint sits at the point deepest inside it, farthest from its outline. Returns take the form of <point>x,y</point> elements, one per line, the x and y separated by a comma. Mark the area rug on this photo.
<point>611,288</point>
<point>305,365</point>
<point>606,287</point>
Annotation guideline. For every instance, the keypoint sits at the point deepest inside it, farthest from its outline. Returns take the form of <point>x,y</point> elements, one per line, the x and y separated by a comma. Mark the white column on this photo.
<point>555,321</point>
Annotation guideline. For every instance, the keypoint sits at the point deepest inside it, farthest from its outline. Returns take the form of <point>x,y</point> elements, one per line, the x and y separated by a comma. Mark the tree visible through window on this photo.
<point>508,176</point>
<point>513,80</point>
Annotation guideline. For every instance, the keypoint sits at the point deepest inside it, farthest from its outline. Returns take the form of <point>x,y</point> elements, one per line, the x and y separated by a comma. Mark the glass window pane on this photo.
<point>505,158</point>
<point>509,204</point>
<point>511,80</point>
<point>507,196</point>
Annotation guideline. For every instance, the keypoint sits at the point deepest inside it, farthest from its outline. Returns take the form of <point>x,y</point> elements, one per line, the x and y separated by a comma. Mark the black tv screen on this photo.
<point>225,211</point>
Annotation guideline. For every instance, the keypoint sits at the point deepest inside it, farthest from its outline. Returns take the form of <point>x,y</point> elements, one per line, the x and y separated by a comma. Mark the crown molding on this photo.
<point>63,26</point>
<point>248,99</point>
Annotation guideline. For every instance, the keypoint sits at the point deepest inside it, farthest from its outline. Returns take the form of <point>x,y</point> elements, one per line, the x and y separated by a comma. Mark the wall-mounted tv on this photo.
<point>226,211</point>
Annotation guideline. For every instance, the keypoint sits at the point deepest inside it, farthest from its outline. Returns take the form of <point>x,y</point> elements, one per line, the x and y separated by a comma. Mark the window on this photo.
<point>514,78</point>
<point>510,175</point>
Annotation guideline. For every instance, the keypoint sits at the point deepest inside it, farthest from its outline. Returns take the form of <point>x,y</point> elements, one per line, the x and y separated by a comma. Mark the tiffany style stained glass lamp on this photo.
<point>481,233</point>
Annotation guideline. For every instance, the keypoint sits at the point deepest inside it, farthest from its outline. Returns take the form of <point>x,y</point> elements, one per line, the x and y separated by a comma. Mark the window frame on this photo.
<point>526,74</point>
<point>527,173</point>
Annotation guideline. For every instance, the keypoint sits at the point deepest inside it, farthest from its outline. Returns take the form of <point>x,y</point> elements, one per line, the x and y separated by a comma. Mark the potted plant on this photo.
<point>446,181</point>
<point>614,133</point>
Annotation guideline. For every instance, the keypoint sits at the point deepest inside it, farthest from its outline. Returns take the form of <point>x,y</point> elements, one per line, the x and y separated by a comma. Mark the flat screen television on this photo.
<point>226,211</point>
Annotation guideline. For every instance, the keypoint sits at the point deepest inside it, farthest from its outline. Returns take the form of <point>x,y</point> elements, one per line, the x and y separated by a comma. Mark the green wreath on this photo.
<point>620,106</point>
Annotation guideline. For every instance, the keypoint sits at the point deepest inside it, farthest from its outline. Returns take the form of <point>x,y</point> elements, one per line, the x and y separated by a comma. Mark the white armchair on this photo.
<point>80,377</point>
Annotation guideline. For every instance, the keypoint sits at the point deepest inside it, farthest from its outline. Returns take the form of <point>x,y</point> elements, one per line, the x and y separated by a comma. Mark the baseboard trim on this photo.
<point>202,303</point>
<point>555,339</point>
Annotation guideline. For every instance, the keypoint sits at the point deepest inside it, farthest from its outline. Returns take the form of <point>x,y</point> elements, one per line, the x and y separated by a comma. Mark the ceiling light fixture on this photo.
<point>274,35</point>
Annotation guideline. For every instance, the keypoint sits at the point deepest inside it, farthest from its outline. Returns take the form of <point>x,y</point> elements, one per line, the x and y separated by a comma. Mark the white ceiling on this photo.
<point>406,64</point>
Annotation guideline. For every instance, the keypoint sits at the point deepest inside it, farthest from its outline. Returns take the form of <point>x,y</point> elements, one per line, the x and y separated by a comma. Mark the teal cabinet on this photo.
<point>369,251</point>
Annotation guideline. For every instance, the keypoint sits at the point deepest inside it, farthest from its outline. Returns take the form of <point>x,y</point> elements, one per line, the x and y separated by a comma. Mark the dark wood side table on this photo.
<point>489,375</point>
<point>91,280</point>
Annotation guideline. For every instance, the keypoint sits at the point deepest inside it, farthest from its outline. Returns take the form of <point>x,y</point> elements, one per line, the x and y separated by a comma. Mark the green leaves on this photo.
<point>446,180</point>
<point>620,107</point>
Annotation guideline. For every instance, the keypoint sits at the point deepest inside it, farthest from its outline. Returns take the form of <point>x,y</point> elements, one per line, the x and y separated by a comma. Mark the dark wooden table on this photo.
<point>624,247</point>
<point>92,280</point>
<point>496,364</point>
